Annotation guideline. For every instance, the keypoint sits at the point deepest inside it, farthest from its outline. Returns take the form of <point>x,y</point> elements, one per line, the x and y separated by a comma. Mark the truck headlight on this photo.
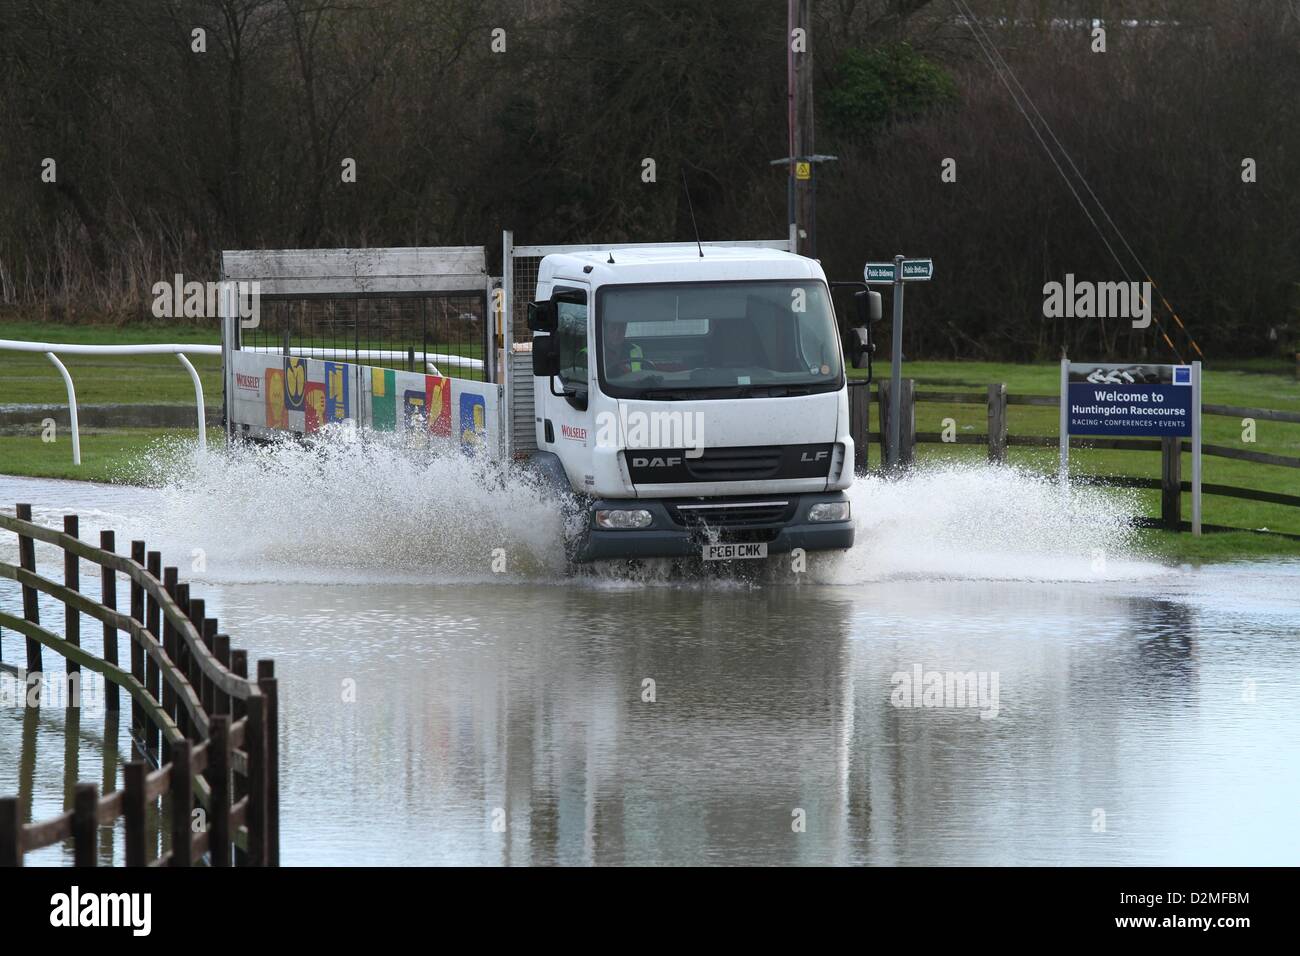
<point>623,520</point>
<point>829,511</point>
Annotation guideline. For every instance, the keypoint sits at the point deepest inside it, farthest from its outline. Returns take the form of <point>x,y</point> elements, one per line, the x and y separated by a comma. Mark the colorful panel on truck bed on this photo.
<point>271,393</point>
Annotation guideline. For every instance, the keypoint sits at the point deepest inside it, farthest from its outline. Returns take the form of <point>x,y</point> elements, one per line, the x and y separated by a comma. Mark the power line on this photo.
<point>1095,198</point>
<point>1082,179</point>
<point>986,44</point>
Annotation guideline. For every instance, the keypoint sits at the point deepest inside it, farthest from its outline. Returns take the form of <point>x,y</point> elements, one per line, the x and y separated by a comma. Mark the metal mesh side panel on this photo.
<point>360,329</point>
<point>525,288</point>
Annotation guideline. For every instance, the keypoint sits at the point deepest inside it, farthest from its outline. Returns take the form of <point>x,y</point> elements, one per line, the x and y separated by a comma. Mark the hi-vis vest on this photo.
<point>635,355</point>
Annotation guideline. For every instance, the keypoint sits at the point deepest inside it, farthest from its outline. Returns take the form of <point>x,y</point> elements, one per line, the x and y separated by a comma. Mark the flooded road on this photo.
<point>992,676</point>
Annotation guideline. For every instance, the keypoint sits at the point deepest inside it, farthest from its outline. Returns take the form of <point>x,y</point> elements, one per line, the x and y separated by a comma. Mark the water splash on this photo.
<point>985,522</point>
<point>335,508</point>
<point>356,508</point>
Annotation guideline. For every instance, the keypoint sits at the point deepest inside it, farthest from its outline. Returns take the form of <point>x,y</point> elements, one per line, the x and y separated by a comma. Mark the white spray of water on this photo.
<point>978,521</point>
<point>355,509</point>
<point>334,510</point>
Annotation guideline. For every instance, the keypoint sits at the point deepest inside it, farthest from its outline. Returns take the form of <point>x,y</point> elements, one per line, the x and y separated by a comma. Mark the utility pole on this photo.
<point>802,168</point>
<point>801,161</point>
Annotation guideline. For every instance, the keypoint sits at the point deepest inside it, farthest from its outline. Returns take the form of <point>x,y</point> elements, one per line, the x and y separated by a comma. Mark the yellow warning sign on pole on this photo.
<point>803,170</point>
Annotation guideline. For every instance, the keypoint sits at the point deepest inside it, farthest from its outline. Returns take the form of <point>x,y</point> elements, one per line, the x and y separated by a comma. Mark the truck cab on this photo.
<point>694,402</point>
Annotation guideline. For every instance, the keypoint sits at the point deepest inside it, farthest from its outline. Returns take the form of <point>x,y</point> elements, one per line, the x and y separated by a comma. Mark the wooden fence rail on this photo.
<point>204,732</point>
<point>998,440</point>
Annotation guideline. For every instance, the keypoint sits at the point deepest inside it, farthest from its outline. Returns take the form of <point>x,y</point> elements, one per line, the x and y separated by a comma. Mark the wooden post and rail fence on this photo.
<point>204,730</point>
<point>998,439</point>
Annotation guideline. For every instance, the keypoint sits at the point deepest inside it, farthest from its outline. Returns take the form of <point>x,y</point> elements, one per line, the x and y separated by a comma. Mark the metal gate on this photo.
<point>389,339</point>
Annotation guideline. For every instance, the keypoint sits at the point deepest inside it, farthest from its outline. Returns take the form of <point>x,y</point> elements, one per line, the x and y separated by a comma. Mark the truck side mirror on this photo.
<point>546,353</point>
<point>860,346</point>
<point>543,316</point>
<point>868,306</point>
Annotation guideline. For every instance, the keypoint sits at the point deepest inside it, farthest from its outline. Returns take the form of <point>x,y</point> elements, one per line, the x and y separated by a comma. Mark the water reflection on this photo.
<point>512,725</point>
<point>36,742</point>
<point>1143,720</point>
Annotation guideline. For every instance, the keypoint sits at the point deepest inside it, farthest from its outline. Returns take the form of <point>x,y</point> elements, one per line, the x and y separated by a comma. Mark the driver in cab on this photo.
<point>622,357</point>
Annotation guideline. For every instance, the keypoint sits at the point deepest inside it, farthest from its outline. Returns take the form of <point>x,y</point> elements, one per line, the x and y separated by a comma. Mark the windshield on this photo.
<point>717,339</point>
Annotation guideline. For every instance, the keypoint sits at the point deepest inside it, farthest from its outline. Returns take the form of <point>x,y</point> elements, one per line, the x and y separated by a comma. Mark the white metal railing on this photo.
<point>383,355</point>
<point>52,351</point>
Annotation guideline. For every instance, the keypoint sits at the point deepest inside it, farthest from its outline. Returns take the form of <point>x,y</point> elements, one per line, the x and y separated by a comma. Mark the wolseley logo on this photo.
<point>250,382</point>
<point>577,434</point>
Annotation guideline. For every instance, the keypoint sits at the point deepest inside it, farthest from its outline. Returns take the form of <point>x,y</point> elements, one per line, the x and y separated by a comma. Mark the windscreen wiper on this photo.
<point>774,391</point>
<point>689,394</point>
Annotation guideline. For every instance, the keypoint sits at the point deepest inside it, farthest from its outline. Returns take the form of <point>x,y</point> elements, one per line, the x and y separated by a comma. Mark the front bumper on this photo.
<point>672,534</point>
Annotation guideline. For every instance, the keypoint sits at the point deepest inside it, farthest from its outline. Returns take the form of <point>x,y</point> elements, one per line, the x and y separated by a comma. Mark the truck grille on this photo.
<point>738,514</point>
<point>735,464</point>
<point>658,466</point>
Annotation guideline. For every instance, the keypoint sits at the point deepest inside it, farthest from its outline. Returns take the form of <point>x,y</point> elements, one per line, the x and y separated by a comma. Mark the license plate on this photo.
<point>732,552</point>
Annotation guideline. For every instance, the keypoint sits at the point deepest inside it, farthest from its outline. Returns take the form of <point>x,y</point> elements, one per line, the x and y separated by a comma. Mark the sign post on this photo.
<point>1196,448</point>
<point>1154,401</point>
<point>896,370</point>
<point>1064,432</point>
<point>896,273</point>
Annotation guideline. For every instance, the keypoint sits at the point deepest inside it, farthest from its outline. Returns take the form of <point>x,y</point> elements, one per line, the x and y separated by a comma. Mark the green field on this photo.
<point>111,455</point>
<point>30,378</point>
<point>107,455</point>
<point>1234,387</point>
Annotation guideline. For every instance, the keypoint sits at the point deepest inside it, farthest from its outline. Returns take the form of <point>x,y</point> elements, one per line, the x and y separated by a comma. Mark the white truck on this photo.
<point>694,401</point>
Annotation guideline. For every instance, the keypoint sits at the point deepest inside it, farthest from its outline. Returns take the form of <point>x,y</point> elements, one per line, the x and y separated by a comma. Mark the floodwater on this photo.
<point>437,709</point>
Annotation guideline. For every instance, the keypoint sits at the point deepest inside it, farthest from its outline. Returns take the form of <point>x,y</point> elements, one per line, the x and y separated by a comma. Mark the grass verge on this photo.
<point>108,455</point>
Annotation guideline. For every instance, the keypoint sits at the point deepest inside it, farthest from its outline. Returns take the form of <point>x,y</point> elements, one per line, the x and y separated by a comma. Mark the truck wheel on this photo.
<point>577,529</point>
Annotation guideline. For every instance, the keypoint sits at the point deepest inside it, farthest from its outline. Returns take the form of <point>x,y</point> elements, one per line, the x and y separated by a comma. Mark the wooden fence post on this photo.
<point>152,674</point>
<point>108,598</point>
<point>71,616</point>
<point>882,397</point>
<point>907,425</point>
<point>182,803</point>
<point>108,775</point>
<point>860,425</point>
<point>209,632</point>
<point>181,653</point>
<point>255,785</point>
<point>133,808</point>
<point>907,434</point>
<point>11,832</point>
<point>238,667</point>
<point>998,423</point>
<point>270,691</point>
<point>85,810</point>
<point>221,651</point>
<point>219,778</point>
<point>1171,483</point>
<point>31,606</point>
<point>137,649</point>
<point>185,661</point>
<point>170,702</point>
<point>193,672</point>
<point>252,747</point>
